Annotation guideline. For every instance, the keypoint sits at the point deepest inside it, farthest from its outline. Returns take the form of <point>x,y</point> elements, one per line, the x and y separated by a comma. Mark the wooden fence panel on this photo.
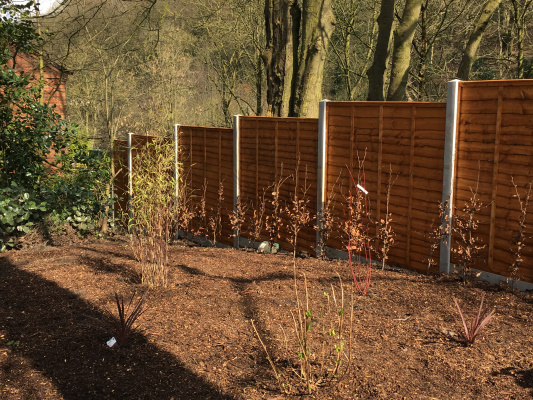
<point>494,143</point>
<point>277,150</point>
<point>402,140</point>
<point>206,155</point>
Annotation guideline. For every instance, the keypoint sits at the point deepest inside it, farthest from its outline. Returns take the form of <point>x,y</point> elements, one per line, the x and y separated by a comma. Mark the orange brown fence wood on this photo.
<point>495,141</point>
<point>405,138</point>
<point>206,155</point>
<point>274,150</point>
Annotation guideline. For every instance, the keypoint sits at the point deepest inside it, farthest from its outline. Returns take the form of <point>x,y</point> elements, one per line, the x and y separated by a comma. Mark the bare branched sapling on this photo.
<point>356,231</point>
<point>322,353</point>
<point>385,233</point>
<point>236,219</point>
<point>519,240</point>
<point>298,209</point>
<point>465,226</point>
<point>258,218</point>
<point>215,215</point>
<point>438,234</point>
<point>326,222</point>
<point>274,222</point>
<point>201,213</point>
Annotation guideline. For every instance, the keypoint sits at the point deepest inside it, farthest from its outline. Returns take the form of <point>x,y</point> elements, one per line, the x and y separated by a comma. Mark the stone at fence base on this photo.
<point>265,247</point>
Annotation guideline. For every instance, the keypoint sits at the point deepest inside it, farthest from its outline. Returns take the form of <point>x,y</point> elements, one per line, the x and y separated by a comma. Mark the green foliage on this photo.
<point>29,131</point>
<point>45,168</point>
<point>20,210</point>
<point>78,191</point>
<point>16,29</point>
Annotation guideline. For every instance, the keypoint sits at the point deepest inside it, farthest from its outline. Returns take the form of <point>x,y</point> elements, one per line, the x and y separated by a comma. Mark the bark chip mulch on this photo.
<point>195,339</point>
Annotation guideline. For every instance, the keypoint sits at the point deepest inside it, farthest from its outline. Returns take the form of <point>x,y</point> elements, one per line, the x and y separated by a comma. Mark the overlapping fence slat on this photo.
<point>273,150</point>
<point>495,148</point>
<point>206,156</point>
<point>402,140</point>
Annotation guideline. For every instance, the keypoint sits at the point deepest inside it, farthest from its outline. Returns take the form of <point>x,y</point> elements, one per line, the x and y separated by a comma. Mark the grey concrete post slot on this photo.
<point>452,104</point>
<point>236,170</point>
<point>321,173</point>
<point>130,178</point>
<point>175,137</point>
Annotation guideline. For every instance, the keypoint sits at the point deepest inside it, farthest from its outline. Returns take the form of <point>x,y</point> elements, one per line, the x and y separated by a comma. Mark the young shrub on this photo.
<point>127,316</point>
<point>153,207</point>
<point>519,240</point>
<point>201,213</point>
<point>236,219</point>
<point>257,222</point>
<point>356,232</point>
<point>318,352</point>
<point>438,233</point>
<point>274,222</point>
<point>185,208</point>
<point>385,233</point>
<point>325,222</point>
<point>482,318</point>
<point>465,226</point>
<point>215,216</point>
<point>298,209</point>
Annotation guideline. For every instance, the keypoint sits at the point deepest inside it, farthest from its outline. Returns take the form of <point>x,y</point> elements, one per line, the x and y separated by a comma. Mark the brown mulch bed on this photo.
<point>196,341</point>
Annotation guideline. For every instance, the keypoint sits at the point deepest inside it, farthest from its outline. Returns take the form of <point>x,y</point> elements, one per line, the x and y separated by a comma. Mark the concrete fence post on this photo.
<point>452,110</point>
<point>321,174</point>
<point>236,170</point>
<point>175,137</point>
<point>130,178</point>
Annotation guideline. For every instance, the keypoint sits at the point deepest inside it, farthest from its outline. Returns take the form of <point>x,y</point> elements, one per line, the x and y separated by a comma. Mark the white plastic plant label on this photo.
<point>362,189</point>
<point>111,342</point>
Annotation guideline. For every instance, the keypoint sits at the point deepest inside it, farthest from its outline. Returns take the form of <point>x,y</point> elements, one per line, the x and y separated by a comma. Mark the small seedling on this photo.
<point>478,323</point>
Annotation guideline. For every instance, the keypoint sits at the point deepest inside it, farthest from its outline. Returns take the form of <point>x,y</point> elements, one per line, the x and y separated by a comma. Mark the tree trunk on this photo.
<point>278,56</point>
<point>520,10</point>
<point>401,57</point>
<point>297,38</point>
<point>318,23</point>
<point>469,55</point>
<point>376,73</point>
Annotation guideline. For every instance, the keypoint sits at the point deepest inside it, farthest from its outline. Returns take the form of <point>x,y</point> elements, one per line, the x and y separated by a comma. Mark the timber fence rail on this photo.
<point>433,152</point>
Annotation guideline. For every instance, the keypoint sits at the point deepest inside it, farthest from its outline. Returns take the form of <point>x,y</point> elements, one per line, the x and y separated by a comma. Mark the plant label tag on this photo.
<point>111,342</point>
<point>362,189</point>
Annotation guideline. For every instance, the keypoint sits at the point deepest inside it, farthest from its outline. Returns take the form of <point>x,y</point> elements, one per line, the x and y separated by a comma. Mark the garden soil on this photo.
<point>196,340</point>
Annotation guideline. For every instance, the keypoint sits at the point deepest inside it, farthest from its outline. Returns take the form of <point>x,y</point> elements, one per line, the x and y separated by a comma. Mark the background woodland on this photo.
<point>141,66</point>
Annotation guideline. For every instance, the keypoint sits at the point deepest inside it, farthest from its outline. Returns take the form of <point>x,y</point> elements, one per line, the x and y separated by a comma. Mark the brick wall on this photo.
<point>55,78</point>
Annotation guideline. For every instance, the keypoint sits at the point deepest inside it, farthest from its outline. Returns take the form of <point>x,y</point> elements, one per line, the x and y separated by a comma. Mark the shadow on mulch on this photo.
<point>102,264</point>
<point>522,378</point>
<point>64,337</point>
<point>123,255</point>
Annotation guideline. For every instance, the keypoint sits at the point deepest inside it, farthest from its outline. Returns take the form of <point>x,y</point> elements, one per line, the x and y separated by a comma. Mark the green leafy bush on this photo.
<point>20,210</point>
<point>78,191</point>
<point>72,186</point>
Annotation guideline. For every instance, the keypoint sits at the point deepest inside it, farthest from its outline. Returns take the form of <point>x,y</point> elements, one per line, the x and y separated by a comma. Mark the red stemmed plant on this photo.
<point>477,324</point>
<point>126,318</point>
